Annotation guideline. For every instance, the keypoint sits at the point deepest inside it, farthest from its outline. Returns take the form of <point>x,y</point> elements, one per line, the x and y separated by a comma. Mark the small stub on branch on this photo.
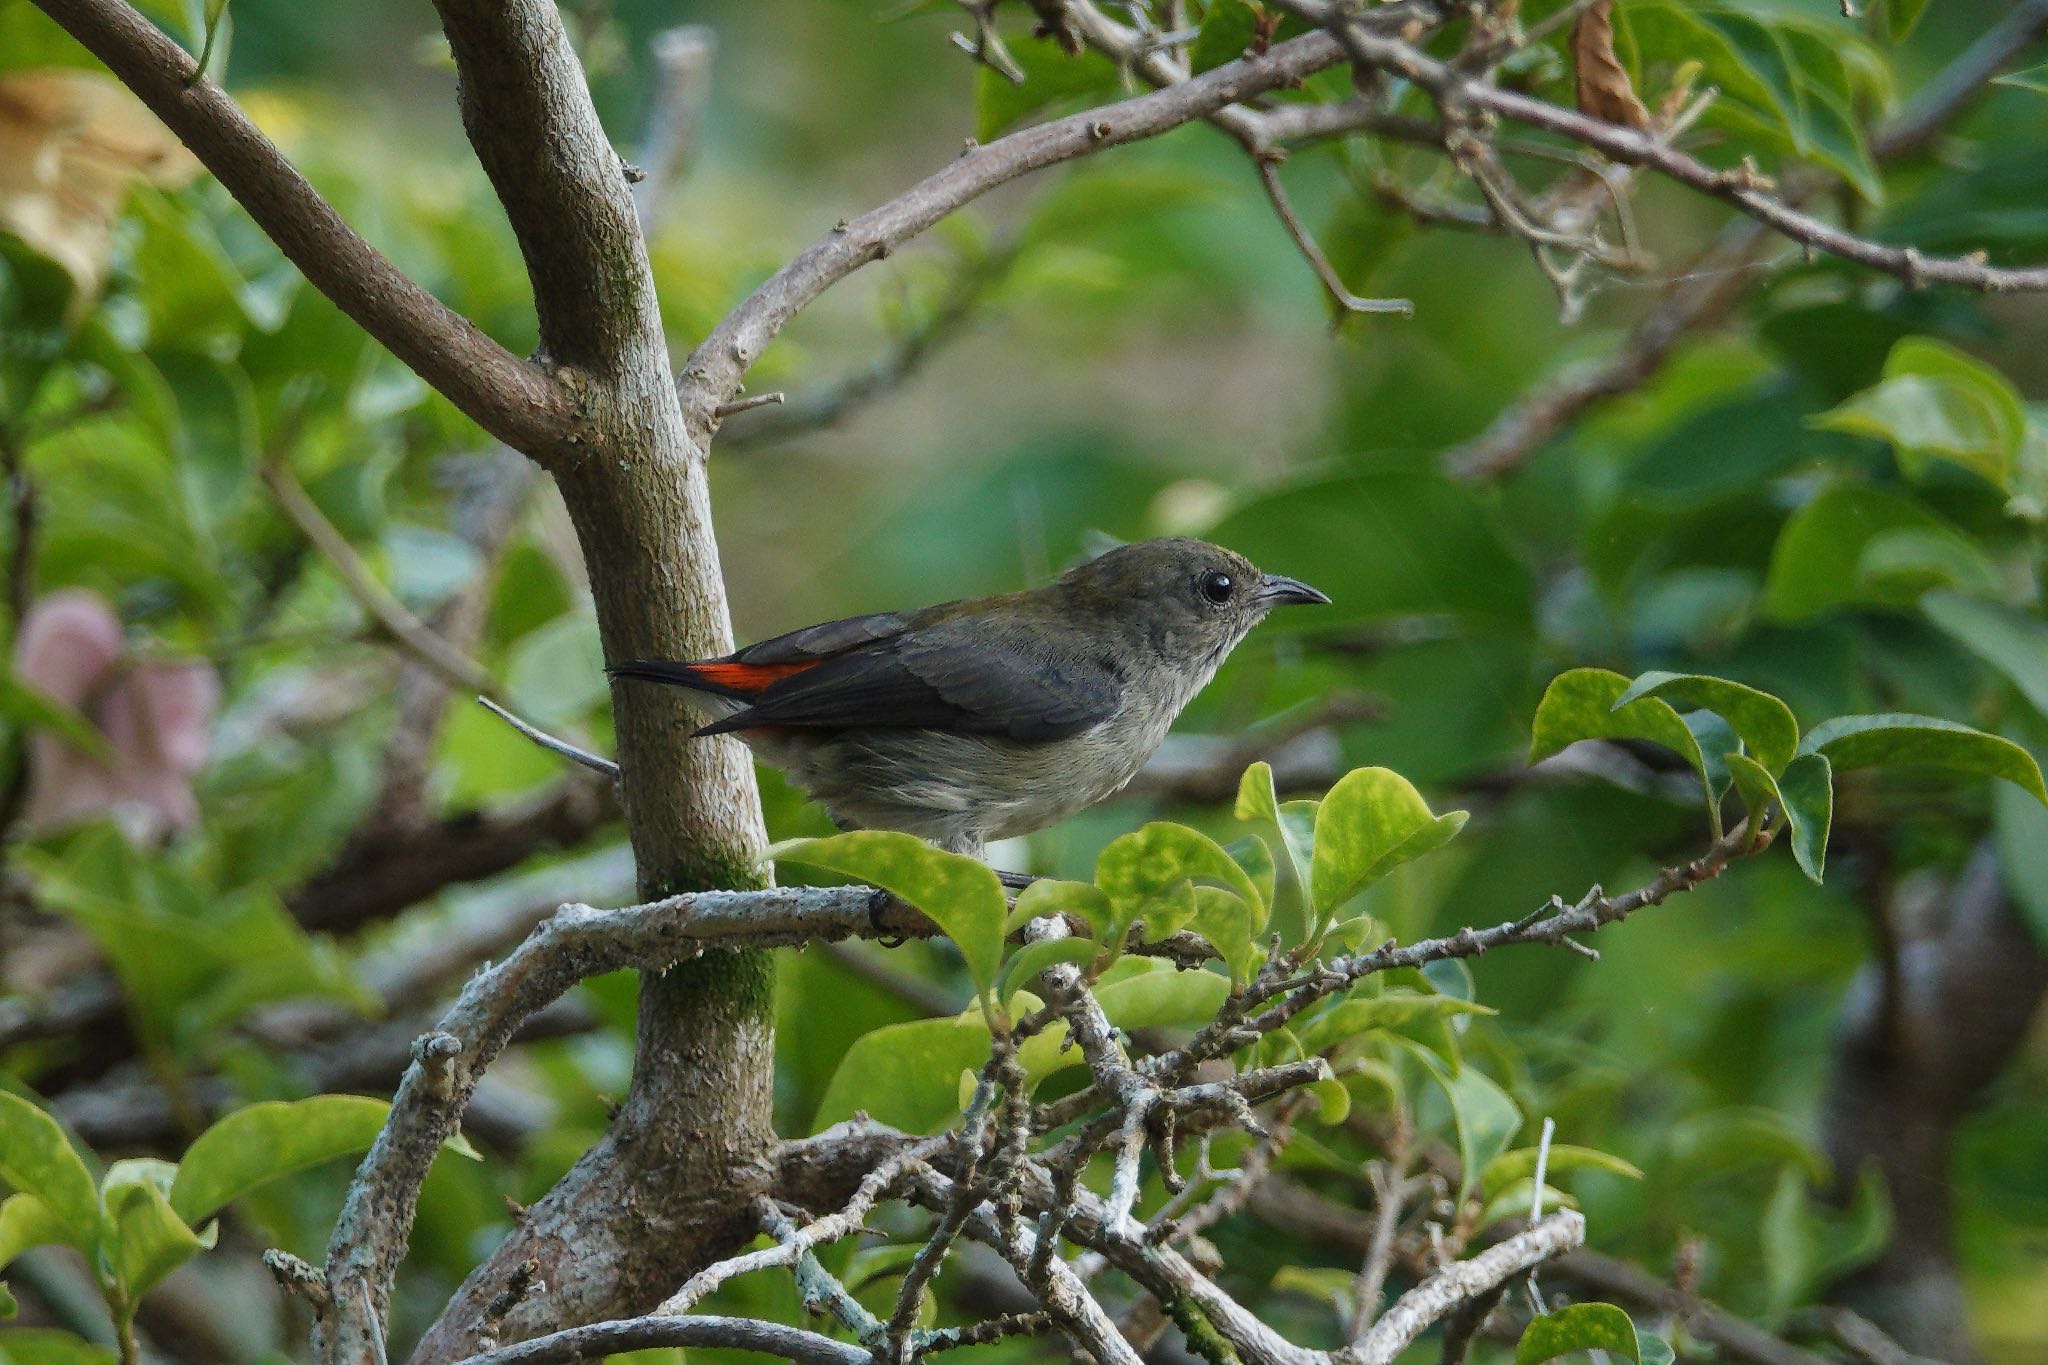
<point>1604,91</point>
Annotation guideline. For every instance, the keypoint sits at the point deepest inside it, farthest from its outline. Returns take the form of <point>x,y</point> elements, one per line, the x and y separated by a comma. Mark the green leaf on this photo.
<point>1050,77</point>
<point>2020,829</point>
<point>1484,1116</point>
<point>1805,793</point>
<point>1896,18</point>
<point>1050,897</point>
<point>1028,961</point>
<point>1807,790</point>
<point>906,1075</point>
<point>2013,642</point>
<point>1585,704</point>
<point>556,673</point>
<point>1765,723</point>
<point>26,1221</point>
<point>1294,822</point>
<point>1229,925</point>
<point>959,894</point>
<point>1818,564</point>
<point>1149,873</point>
<point>8,1307</point>
<point>1896,739</point>
<point>1581,1327</point>
<point>1372,821</point>
<point>48,1346</point>
<point>1227,30</point>
<point>36,1158</point>
<point>2034,78</point>
<point>148,1238</point>
<point>1936,403</point>
<point>1255,856</point>
<point>1350,1018</point>
<point>1153,994</point>
<point>263,1141</point>
<point>1520,1164</point>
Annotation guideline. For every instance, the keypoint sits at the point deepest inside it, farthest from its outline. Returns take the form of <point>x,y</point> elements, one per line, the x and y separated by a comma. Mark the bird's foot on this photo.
<point>1014,881</point>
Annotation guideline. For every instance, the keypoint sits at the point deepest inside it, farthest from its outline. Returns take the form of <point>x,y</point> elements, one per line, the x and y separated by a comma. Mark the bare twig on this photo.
<point>714,371</point>
<point>1333,283</point>
<point>682,87</point>
<point>391,615</point>
<point>597,763</point>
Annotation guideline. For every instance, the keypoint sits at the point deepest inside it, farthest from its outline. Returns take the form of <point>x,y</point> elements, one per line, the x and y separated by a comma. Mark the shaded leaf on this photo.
<point>1765,723</point>
<point>1581,1327</point>
<point>1818,564</point>
<point>2011,641</point>
<point>1027,962</point>
<point>1937,403</point>
<point>1897,739</point>
<point>1584,704</point>
<point>1229,925</point>
<point>1049,896</point>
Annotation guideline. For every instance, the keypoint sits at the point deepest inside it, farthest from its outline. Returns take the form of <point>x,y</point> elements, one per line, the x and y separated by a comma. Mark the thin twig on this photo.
<point>391,615</point>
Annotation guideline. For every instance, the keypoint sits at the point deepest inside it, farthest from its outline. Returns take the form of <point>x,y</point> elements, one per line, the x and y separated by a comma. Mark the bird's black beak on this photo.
<point>1276,591</point>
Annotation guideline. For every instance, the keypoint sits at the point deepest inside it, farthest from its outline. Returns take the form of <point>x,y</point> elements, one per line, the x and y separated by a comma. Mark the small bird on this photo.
<point>995,716</point>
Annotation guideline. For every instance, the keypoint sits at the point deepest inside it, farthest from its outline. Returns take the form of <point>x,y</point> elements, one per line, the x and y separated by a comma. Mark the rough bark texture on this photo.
<point>690,1146</point>
<point>1922,1036</point>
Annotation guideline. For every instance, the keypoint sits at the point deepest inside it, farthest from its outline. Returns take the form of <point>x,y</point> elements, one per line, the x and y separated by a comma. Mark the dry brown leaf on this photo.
<point>1604,89</point>
<point>72,143</point>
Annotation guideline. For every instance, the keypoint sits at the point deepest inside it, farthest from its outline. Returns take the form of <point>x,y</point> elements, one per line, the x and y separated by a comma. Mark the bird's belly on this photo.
<point>959,790</point>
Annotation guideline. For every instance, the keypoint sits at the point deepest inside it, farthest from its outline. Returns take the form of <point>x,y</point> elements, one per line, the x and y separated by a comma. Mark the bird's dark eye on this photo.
<point>1216,586</point>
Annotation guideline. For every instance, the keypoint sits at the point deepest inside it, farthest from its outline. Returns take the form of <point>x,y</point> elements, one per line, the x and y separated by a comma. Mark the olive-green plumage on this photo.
<point>994,716</point>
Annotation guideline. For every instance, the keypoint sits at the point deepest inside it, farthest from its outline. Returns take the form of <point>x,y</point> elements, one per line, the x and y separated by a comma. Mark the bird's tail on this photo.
<point>719,677</point>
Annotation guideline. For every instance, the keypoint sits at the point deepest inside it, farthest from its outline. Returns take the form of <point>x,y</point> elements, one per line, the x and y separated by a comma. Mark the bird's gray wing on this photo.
<point>941,678</point>
<point>827,639</point>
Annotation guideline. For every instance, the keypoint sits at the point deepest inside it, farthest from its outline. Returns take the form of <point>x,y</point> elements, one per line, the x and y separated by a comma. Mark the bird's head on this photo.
<point>1191,600</point>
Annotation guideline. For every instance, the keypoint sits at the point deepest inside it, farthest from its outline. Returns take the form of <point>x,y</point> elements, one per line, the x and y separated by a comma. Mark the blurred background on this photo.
<point>291,839</point>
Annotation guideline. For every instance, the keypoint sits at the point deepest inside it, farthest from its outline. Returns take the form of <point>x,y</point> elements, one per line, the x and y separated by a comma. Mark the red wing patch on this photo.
<point>748,679</point>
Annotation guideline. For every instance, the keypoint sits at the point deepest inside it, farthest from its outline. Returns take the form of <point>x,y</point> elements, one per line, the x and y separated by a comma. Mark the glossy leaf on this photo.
<point>959,894</point>
<point>36,1158</point>
<point>1765,723</point>
<point>264,1141</point>
<point>1582,704</point>
<point>1372,821</point>
<point>1895,740</point>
